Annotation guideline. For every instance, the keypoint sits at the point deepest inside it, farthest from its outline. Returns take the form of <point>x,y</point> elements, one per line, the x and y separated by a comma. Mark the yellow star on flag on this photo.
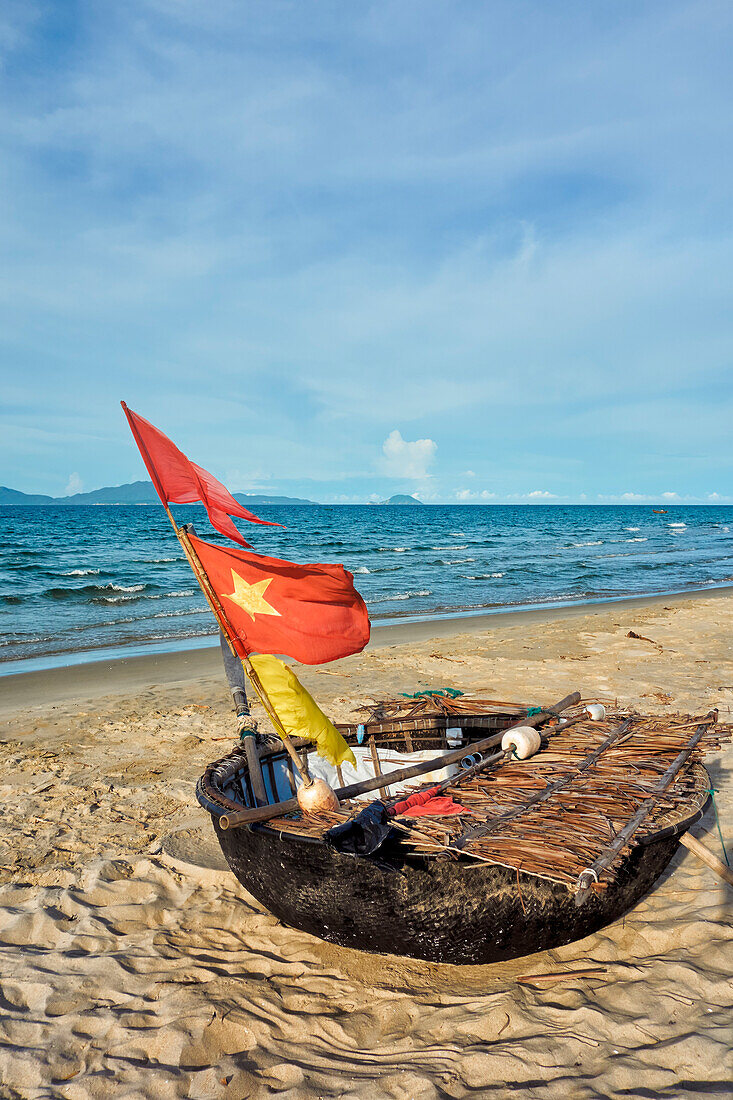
<point>251,597</point>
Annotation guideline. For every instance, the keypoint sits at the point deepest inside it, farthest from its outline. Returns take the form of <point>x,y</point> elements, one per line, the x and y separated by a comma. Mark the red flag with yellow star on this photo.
<point>312,613</point>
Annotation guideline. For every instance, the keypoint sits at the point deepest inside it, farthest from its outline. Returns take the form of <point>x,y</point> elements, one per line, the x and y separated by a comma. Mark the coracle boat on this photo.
<point>541,851</point>
<point>555,834</point>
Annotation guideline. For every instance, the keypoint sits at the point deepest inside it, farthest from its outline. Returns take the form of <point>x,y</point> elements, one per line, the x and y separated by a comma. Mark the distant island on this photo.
<point>137,492</point>
<point>402,498</point>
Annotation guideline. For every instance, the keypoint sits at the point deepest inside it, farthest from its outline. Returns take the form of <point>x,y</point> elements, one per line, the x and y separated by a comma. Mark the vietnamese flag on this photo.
<point>177,480</point>
<point>312,613</point>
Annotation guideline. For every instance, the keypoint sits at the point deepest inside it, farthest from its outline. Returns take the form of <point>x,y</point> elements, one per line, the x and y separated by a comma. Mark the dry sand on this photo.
<point>126,973</point>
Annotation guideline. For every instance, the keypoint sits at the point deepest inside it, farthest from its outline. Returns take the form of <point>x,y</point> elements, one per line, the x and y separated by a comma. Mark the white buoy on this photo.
<point>596,712</point>
<point>523,739</point>
<point>317,796</point>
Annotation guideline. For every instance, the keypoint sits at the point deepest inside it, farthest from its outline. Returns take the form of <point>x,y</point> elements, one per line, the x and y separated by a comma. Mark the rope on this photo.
<point>452,693</point>
<point>711,792</point>
<point>531,711</point>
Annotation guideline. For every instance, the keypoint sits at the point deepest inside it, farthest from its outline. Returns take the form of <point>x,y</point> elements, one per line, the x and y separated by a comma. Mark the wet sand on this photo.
<point>127,972</point>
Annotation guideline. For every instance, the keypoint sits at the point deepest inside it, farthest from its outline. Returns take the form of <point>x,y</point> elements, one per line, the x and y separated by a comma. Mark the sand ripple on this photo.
<point>125,976</point>
<point>140,981</point>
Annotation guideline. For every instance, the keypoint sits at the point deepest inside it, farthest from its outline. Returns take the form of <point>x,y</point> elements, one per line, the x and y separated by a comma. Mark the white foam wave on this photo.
<point>392,549</point>
<point>183,592</point>
<point>459,561</point>
<point>677,525</point>
<point>361,569</point>
<point>175,614</point>
<point>639,538</point>
<point>451,547</point>
<point>112,599</point>
<point>402,596</point>
<point>632,528</point>
<point>596,542</point>
<point>80,573</point>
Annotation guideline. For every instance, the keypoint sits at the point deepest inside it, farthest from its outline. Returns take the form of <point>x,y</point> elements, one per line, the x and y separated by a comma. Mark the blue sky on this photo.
<point>476,251</point>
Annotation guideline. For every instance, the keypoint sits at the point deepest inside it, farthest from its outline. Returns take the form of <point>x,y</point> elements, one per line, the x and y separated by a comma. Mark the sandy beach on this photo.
<point>127,972</point>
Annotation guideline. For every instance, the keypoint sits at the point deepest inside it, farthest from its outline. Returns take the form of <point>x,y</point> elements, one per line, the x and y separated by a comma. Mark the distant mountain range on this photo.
<point>138,492</point>
<point>402,498</point>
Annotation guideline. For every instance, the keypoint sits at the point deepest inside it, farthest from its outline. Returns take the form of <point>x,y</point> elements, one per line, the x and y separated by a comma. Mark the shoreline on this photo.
<point>122,675</point>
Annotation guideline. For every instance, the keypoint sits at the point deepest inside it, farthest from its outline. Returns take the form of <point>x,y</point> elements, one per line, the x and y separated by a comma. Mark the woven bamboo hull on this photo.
<point>437,910</point>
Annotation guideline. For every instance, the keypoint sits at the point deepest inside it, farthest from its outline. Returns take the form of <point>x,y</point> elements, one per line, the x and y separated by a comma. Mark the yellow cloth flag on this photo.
<point>298,711</point>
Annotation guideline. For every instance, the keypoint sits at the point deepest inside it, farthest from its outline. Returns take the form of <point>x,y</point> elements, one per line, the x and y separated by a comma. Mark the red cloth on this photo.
<point>424,803</point>
<point>436,807</point>
<point>312,613</point>
<point>177,480</point>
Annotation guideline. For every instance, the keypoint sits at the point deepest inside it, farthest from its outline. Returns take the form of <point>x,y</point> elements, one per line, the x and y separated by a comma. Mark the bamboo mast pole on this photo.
<point>219,613</point>
<point>214,603</point>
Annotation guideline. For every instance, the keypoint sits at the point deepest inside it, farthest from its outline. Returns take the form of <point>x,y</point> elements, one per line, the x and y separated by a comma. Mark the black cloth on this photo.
<point>363,834</point>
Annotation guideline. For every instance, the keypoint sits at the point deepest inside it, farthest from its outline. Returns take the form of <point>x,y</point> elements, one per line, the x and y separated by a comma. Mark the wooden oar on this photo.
<point>264,813</point>
<point>693,845</point>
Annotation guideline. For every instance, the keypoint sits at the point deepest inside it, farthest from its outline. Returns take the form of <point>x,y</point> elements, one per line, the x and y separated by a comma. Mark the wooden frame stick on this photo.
<point>589,876</point>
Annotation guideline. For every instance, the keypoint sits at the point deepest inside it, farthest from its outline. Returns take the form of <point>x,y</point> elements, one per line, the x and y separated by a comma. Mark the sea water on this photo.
<point>88,582</point>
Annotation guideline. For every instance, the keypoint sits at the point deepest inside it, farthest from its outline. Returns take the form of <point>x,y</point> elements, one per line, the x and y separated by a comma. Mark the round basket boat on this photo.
<point>441,910</point>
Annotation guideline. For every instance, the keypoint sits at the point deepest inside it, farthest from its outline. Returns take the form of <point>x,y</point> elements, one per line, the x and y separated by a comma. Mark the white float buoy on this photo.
<point>316,797</point>
<point>596,712</point>
<point>525,740</point>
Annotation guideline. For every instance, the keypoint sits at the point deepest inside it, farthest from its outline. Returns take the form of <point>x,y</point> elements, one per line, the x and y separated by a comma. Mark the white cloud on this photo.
<point>469,494</point>
<point>469,473</point>
<point>403,458</point>
<point>633,496</point>
<point>670,496</point>
<point>74,485</point>
<point>219,164</point>
<point>541,494</point>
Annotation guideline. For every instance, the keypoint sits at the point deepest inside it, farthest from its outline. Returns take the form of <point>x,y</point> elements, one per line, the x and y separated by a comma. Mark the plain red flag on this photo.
<point>312,613</point>
<point>177,480</point>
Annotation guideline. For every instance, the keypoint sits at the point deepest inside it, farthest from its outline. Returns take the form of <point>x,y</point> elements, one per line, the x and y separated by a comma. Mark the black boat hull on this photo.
<point>451,911</point>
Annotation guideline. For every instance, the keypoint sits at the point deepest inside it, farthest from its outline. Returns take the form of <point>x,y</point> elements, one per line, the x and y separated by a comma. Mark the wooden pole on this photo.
<point>693,845</point>
<point>221,617</point>
<point>244,817</point>
<point>214,603</point>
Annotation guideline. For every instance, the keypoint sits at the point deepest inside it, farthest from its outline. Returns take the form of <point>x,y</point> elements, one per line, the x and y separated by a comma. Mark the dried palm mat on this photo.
<point>559,837</point>
<point>435,705</point>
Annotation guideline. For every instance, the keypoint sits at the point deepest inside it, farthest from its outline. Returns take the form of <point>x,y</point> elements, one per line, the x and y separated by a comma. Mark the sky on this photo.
<point>473,250</point>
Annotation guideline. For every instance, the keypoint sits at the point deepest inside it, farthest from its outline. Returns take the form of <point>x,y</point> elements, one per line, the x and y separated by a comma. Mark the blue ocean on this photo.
<point>82,583</point>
